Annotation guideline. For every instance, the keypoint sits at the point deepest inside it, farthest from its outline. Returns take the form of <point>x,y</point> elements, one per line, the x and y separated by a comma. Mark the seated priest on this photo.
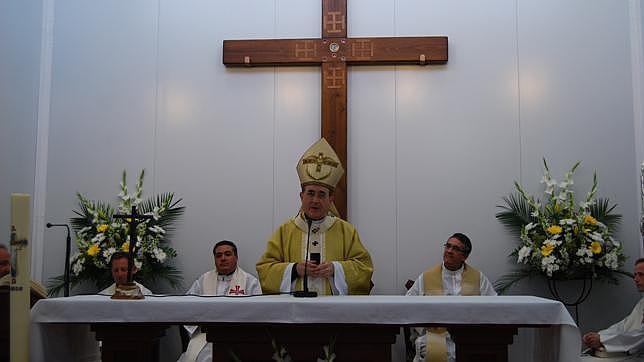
<point>118,265</point>
<point>337,262</point>
<point>5,265</point>
<point>452,277</point>
<point>626,336</point>
<point>226,279</point>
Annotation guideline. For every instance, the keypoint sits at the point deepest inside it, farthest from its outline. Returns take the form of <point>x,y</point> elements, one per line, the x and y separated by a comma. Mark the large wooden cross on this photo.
<point>334,51</point>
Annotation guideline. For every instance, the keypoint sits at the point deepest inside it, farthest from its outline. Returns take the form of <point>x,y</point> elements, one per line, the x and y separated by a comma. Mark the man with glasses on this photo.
<point>451,277</point>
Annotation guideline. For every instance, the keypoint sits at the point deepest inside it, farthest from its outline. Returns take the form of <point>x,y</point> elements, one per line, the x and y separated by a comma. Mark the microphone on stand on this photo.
<point>305,293</point>
<point>68,246</point>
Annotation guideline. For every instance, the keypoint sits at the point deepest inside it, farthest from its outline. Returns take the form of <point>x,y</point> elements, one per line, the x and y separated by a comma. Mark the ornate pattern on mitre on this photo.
<point>320,165</point>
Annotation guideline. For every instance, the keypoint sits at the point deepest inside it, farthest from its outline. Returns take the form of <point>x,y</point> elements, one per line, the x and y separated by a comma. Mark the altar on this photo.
<point>53,320</point>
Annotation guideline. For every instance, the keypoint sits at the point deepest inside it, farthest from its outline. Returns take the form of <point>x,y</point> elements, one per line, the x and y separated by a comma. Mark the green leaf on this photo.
<point>90,214</point>
<point>601,210</point>
<point>515,214</point>
<point>507,281</point>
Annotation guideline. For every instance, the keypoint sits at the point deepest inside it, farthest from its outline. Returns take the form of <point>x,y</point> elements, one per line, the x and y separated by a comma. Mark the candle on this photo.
<point>19,292</point>
<point>20,204</point>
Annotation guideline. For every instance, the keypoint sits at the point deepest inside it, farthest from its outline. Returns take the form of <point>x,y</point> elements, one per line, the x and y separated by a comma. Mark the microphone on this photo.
<point>68,246</point>
<point>305,293</point>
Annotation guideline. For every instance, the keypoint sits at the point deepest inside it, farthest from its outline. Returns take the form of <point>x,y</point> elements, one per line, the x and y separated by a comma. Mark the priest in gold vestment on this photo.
<point>338,263</point>
<point>452,277</point>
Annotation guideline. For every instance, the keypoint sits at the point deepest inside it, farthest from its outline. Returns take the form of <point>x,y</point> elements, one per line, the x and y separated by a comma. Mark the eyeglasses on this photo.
<point>453,247</point>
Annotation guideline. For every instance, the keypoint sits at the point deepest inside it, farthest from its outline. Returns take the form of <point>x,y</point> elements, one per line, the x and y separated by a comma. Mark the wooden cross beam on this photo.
<point>334,52</point>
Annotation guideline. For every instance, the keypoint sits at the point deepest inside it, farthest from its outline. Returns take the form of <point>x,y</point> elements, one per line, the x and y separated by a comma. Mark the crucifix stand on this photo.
<point>334,51</point>
<point>130,290</point>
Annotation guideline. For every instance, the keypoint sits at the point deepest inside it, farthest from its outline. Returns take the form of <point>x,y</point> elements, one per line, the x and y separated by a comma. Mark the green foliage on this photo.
<point>99,235</point>
<point>559,238</point>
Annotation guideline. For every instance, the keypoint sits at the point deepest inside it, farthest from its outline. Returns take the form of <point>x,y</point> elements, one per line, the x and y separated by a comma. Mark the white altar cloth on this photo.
<point>49,338</point>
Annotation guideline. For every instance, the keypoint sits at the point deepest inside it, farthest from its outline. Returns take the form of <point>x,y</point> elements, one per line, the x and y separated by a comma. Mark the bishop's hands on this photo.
<point>591,339</point>
<point>322,270</point>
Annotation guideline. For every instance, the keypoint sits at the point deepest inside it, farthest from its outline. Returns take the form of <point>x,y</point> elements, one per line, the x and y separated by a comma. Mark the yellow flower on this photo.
<point>547,249</point>
<point>596,247</point>
<point>554,230</point>
<point>589,220</point>
<point>102,228</point>
<point>126,247</point>
<point>93,250</point>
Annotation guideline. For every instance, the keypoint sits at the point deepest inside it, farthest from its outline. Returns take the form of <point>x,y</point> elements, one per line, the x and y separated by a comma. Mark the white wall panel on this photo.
<point>215,144</point>
<point>576,104</point>
<point>297,107</point>
<point>372,145</point>
<point>20,27</point>
<point>102,106</point>
<point>371,18</point>
<point>457,134</point>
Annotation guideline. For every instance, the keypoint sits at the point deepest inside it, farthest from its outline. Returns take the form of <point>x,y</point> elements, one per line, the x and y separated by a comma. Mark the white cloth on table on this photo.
<point>237,283</point>
<point>451,286</point>
<point>52,318</point>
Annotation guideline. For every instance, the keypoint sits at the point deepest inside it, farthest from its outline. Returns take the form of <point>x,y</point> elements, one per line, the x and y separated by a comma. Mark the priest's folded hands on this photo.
<point>323,270</point>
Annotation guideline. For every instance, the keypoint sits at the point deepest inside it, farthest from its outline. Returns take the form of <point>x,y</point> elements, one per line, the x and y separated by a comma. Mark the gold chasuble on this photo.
<point>338,241</point>
<point>433,285</point>
<point>470,283</point>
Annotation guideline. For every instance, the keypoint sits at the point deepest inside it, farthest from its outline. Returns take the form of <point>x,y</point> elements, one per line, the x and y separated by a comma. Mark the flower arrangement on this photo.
<point>560,238</point>
<point>99,235</point>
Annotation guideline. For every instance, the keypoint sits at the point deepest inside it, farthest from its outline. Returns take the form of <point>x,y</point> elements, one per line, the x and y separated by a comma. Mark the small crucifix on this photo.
<point>133,220</point>
<point>237,290</point>
<point>334,51</point>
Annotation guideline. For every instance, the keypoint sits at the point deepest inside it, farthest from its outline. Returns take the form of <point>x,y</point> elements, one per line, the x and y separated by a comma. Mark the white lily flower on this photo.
<point>524,252</point>
<point>157,229</point>
<point>596,236</point>
<point>107,253</point>
<point>85,229</point>
<point>160,255</point>
<point>77,267</point>
<point>98,238</point>
<point>611,261</point>
<point>614,242</point>
<point>584,252</point>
